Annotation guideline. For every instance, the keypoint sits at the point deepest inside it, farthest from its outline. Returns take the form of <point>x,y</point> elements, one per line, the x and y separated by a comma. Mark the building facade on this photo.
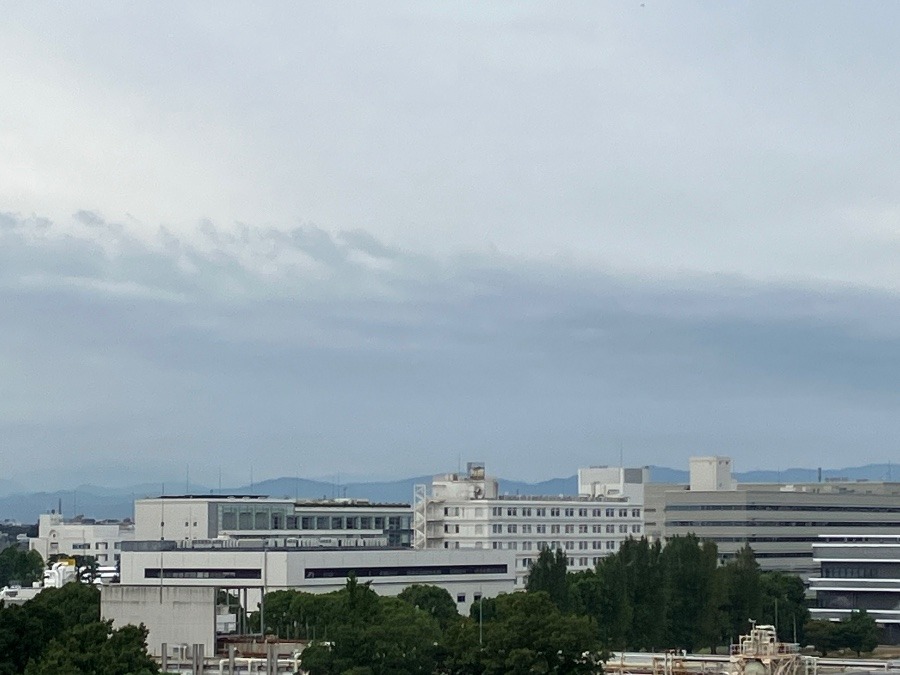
<point>81,536</point>
<point>858,572</point>
<point>466,512</point>
<point>780,522</point>
<point>329,523</point>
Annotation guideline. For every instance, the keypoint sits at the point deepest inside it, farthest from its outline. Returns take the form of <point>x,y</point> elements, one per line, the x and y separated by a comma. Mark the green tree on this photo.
<point>548,574</point>
<point>858,632</point>
<point>743,592</point>
<point>784,605</point>
<point>96,649</point>
<point>529,634</point>
<point>822,635</point>
<point>693,593</point>
<point>23,567</point>
<point>434,600</point>
<point>26,630</point>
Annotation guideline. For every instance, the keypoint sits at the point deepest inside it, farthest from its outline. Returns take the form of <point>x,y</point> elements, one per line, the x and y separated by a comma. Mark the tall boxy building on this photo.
<point>466,511</point>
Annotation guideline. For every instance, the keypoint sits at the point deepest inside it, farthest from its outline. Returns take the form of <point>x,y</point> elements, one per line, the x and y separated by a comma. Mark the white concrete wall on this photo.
<point>174,615</point>
<point>56,536</point>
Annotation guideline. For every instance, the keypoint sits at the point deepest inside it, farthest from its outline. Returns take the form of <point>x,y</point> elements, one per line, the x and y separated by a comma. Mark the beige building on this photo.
<point>781,522</point>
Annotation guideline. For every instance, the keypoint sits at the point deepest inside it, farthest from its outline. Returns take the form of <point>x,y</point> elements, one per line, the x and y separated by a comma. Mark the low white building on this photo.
<point>171,586</point>
<point>466,511</point>
<point>81,536</point>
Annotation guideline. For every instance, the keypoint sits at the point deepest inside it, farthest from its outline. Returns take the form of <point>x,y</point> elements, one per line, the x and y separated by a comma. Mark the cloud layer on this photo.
<point>323,352</point>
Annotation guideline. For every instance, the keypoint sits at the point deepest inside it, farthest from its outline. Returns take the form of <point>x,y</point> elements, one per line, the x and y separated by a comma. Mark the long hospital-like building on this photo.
<point>466,512</point>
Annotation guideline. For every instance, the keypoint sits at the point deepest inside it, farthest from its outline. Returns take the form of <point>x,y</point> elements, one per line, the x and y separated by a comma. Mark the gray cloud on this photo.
<point>316,351</point>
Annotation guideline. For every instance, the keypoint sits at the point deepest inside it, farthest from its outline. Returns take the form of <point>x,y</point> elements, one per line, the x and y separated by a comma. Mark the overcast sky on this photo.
<point>378,239</point>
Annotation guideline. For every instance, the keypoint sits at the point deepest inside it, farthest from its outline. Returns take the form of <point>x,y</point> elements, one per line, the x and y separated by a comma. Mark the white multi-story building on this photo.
<point>466,511</point>
<point>329,523</point>
<point>81,536</point>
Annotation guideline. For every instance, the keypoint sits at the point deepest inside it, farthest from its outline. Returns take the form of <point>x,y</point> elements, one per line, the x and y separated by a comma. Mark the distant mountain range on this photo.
<point>103,502</point>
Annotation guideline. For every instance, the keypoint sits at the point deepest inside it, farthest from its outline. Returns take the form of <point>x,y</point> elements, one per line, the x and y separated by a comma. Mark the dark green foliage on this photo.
<point>784,605</point>
<point>24,567</point>
<point>742,583</point>
<point>822,635</point>
<point>858,632</point>
<point>530,634</point>
<point>548,574</point>
<point>96,649</point>
<point>693,593</point>
<point>434,600</point>
<point>26,630</point>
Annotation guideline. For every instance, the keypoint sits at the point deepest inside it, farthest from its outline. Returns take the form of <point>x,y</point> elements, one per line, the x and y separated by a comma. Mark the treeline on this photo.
<point>649,597</point>
<point>60,631</point>
<point>357,632</point>
<point>644,597</point>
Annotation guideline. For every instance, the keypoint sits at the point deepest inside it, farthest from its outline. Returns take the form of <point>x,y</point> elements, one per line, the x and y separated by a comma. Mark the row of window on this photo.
<point>559,529</point>
<point>403,571</point>
<point>555,512</point>
<point>776,523</point>
<point>780,507</point>
<point>575,562</point>
<point>321,523</point>
<point>84,546</point>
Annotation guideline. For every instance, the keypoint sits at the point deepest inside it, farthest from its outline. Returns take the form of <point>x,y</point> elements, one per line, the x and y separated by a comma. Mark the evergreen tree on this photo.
<point>548,574</point>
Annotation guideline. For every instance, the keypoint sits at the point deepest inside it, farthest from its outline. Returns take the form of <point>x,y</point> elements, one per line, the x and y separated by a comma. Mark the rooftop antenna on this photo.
<point>251,479</point>
<point>220,479</point>
<point>187,479</point>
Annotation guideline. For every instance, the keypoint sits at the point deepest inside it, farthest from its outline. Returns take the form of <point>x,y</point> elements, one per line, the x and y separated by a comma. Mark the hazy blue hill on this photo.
<point>103,502</point>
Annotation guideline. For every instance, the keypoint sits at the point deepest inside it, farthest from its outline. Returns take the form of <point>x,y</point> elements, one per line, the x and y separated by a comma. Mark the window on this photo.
<point>513,545</point>
<point>635,513</point>
<point>582,529</point>
<point>610,545</point>
<point>337,523</point>
<point>610,529</point>
<point>570,529</point>
<point>365,523</point>
<point>379,522</point>
<point>540,513</point>
<point>496,528</point>
<point>582,513</point>
<point>636,529</point>
<point>570,513</point>
<point>582,562</point>
<point>497,511</point>
<point>610,513</point>
<point>526,529</point>
<point>596,529</point>
<point>460,597</point>
<point>495,544</point>
<point>597,545</point>
<point>511,529</point>
<point>525,562</point>
<point>596,561</point>
<point>540,529</point>
<point>582,545</point>
<point>570,545</point>
<point>511,512</point>
<point>554,529</point>
<point>526,512</point>
<point>476,596</point>
<point>623,529</point>
<point>623,513</point>
<point>554,513</point>
<point>321,522</point>
<point>596,513</point>
<point>526,545</point>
